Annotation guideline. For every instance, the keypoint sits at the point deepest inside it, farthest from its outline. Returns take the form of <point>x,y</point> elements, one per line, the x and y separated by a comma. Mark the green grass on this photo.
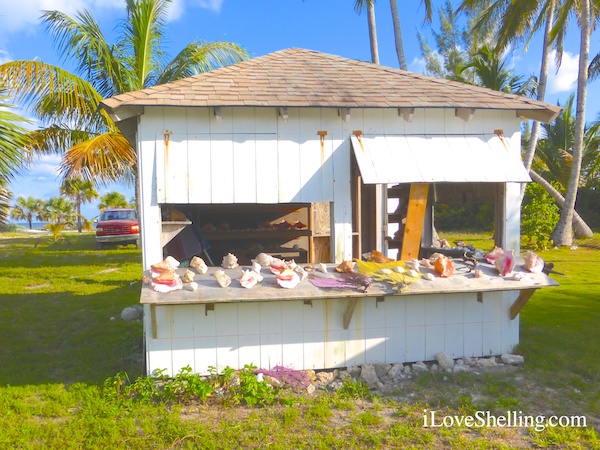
<point>58,345</point>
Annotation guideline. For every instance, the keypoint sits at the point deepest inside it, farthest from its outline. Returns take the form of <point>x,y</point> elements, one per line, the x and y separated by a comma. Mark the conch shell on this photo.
<point>505,263</point>
<point>491,256</point>
<point>277,266</point>
<point>263,259</point>
<point>443,266</point>
<point>345,266</point>
<point>288,279</point>
<point>249,278</point>
<point>222,278</point>
<point>377,256</point>
<point>533,262</point>
<point>230,261</point>
<point>199,264</point>
<point>188,276</point>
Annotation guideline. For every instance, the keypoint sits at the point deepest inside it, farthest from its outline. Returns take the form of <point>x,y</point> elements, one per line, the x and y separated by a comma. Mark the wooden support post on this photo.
<point>417,204</point>
<point>153,323</point>
<point>349,312</point>
<point>517,306</point>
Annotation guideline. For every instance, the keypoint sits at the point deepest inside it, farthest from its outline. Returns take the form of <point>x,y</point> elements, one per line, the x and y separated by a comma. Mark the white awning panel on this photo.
<point>437,159</point>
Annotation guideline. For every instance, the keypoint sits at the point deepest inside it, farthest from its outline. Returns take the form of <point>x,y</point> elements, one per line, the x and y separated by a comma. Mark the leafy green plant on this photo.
<point>352,388</point>
<point>539,216</point>
<point>252,392</point>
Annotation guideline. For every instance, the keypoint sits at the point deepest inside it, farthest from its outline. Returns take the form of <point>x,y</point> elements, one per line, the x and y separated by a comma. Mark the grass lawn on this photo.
<point>59,343</point>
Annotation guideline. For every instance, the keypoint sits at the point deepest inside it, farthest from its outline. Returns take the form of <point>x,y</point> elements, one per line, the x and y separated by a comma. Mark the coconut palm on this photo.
<point>13,139</point>
<point>369,5</point>
<point>80,191</point>
<point>66,103</point>
<point>59,210</point>
<point>5,198</point>
<point>28,209</point>
<point>398,29</point>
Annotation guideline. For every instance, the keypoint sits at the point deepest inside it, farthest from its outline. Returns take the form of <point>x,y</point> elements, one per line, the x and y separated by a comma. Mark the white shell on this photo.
<point>263,259</point>
<point>199,264</point>
<point>230,261</point>
<point>385,271</point>
<point>222,278</point>
<point>429,276</point>
<point>399,269</point>
<point>322,267</point>
<point>413,273</point>
<point>256,266</point>
<point>172,262</point>
<point>188,276</point>
<point>191,286</point>
<point>301,273</point>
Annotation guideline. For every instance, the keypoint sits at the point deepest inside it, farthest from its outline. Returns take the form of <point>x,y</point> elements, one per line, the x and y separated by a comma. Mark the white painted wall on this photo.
<point>311,336</point>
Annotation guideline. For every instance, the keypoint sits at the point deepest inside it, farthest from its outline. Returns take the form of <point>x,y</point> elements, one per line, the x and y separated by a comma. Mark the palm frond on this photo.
<point>101,159</point>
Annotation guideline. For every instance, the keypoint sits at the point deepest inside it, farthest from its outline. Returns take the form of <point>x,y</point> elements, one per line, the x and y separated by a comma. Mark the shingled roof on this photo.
<point>304,78</point>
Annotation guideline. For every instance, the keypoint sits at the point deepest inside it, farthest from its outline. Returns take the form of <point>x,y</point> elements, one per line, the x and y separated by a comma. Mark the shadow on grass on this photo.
<point>65,338</point>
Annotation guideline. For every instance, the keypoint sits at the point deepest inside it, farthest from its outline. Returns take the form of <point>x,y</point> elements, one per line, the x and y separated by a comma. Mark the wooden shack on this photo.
<point>318,158</point>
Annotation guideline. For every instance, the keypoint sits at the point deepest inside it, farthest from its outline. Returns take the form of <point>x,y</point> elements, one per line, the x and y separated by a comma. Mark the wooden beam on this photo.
<point>349,312</point>
<point>417,203</point>
<point>465,114</point>
<point>517,306</point>
<point>153,323</point>
<point>541,115</point>
<point>407,114</point>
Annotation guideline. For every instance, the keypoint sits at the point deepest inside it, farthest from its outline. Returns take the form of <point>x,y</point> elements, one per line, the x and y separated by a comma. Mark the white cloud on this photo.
<point>566,78</point>
<point>213,5</point>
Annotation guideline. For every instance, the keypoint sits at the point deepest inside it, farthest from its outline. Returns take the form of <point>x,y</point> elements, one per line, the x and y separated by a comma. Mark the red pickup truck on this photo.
<point>117,226</point>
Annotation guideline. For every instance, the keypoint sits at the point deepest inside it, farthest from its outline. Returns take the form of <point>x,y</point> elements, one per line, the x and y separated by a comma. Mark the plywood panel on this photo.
<point>227,352</point>
<point>244,168</point>
<point>197,120</point>
<point>293,350</point>
<point>312,157</point>
<point>473,333</point>
<point>244,120</point>
<point>183,354</point>
<point>205,354</point>
<point>271,350</point>
<point>374,346</point>
<point>266,120</point>
<point>417,204</point>
<point>434,340</point>
<point>395,345</point>
<point>314,349</point>
<point>250,349</point>
<point>221,167</point>
<point>335,349</point>
<point>454,340</point>
<point>267,164</point>
<point>415,343</point>
<point>175,119</point>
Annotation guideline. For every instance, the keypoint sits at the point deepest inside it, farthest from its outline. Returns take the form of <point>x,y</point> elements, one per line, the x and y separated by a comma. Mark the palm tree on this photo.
<point>359,5</point>
<point>59,210</point>
<point>113,199</point>
<point>28,209</point>
<point>66,103</point>
<point>586,18</point>
<point>80,191</point>
<point>398,29</point>
<point>13,139</point>
<point>5,198</point>
<point>491,71</point>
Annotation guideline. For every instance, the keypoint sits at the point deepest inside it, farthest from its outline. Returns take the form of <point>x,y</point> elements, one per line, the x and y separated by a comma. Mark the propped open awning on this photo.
<point>437,158</point>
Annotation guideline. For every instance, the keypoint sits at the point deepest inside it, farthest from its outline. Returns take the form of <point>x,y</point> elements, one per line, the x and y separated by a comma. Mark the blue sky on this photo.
<point>330,26</point>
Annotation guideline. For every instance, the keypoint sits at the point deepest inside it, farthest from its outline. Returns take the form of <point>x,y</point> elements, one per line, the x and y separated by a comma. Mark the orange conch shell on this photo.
<point>345,266</point>
<point>377,256</point>
<point>443,266</point>
<point>533,262</point>
<point>288,279</point>
<point>505,263</point>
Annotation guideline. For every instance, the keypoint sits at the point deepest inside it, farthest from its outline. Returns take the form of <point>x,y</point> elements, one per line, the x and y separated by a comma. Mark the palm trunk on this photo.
<point>78,207</point>
<point>541,92</point>
<point>398,35</point>
<point>563,234</point>
<point>372,32</point>
<point>582,229</point>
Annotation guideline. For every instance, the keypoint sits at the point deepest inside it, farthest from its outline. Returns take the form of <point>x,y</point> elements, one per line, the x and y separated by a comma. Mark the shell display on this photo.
<point>249,278</point>
<point>414,264</point>
<point>377,256</point>
<point>199,265</point>
<point>303,274</point>
<point>505,263</point>
<point>399,269</point>
<point>288,279</point>
<point>277,266</point>
<point>188,276</point>
<point>256,266</point>
<point>222,278</point>
<point>443,266</point>
<point>230,261</point>
<point>345,266</point>
<point>533,262</point>
<point>263,259</point>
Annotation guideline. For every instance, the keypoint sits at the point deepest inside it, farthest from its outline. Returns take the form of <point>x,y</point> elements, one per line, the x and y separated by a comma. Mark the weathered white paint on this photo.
<point>311,336</point>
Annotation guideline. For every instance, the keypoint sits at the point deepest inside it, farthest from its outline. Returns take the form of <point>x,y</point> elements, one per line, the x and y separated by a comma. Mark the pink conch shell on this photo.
<point>277,266</point>
<point>249,278</point>
<point>230,261</point>
<point>505,263</point>
<point>443,266</point>
<point>477,273</point>
<point>493,255</point>
<point>288,279</point>
<point>164,288</point>
<point>533,262</point>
